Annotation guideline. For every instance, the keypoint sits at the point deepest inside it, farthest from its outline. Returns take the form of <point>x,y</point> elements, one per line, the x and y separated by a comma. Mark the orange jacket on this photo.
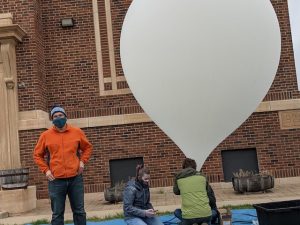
<point>62,148</point>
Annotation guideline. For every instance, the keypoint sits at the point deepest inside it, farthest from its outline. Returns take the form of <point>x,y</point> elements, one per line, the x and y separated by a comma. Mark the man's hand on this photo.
<point>49,176</point>
<point>81,168</point>
<point>150,213</point>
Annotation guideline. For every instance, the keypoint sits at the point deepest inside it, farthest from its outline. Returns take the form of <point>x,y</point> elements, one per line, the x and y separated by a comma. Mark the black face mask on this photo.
<point>60,122</point>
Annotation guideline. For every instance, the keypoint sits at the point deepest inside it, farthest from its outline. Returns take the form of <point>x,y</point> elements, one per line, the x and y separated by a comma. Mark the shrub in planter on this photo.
<point>247,181</point>
<point>114,194</point>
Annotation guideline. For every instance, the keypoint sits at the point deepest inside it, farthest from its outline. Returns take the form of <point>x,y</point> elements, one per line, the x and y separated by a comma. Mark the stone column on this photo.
<point>10,35</point>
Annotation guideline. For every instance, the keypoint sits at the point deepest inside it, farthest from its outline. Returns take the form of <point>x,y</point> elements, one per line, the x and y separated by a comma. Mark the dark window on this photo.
<point>123,169</point>
<point>234,160</point>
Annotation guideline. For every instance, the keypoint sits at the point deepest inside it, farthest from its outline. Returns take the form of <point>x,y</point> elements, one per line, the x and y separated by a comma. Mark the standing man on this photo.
<point>198,199</point>
<point>67,151</point>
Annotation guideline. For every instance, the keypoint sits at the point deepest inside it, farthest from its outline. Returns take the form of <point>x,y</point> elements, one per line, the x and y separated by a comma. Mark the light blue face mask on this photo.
<point>60,122</point>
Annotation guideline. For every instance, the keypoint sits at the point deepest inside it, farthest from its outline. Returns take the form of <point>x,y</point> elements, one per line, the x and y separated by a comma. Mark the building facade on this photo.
<point>79,67</point>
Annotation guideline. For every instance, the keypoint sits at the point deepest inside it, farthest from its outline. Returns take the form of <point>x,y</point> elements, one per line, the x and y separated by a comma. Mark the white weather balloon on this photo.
<point>199,68</point>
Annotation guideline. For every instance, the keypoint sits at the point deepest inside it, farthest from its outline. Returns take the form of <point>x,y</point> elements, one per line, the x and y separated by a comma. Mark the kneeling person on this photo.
<point>192,187</point>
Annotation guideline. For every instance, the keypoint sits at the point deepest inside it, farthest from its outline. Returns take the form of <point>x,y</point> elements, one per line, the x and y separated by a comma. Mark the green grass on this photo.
<point>164,213</point>
<point>230,207</point>
<point>109,217</point>
<point>38,222</point>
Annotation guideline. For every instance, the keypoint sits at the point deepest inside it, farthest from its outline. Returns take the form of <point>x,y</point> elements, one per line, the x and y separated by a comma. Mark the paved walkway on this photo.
<point>164,200</point>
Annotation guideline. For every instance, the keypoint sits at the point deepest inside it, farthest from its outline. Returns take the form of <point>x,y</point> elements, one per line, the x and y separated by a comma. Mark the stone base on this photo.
<point>19,200</point>
<point>3,215</point>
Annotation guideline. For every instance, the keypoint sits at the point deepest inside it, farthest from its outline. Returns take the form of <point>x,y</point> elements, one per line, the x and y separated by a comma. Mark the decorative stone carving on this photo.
<point>289,119</point>
<point>10,84</point>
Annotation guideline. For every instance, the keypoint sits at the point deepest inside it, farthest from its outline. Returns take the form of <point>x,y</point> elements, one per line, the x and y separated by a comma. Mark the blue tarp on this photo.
<point>239,217</point>
<point>164,218</point>
<point>167,219</point>
<point>243,217</point>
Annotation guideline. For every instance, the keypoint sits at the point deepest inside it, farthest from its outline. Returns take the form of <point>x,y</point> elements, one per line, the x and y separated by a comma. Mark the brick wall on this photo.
<point>145,140</point>
<point>58,65</point>
<point>30,59</point>
<point>70,53</point>
<point>285,83</point>
<point>71,65</point>
<point>277,150</point>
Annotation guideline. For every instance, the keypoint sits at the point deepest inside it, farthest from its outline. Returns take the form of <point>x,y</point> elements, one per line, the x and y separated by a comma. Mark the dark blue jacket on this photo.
<point>136,199</point>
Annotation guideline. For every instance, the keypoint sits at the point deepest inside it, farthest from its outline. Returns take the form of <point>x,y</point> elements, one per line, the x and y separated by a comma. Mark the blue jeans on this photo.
<point>178,214</point>
<point>143,221</point>
<point>58,190</point>
<point>214,216</point>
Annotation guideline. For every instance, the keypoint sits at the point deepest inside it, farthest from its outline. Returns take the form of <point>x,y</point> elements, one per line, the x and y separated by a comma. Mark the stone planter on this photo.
<point>253,183</point>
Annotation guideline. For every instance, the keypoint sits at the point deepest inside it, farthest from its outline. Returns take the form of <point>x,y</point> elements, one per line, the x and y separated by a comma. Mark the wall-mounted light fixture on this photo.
<point>67,22</point>
<point>21,85</point>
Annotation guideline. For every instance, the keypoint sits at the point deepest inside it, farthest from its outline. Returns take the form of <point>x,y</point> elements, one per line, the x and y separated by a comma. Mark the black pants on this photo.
<point>58,190</point>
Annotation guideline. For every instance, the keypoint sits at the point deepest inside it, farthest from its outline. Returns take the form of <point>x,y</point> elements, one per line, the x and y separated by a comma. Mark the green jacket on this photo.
<point>192,187</point>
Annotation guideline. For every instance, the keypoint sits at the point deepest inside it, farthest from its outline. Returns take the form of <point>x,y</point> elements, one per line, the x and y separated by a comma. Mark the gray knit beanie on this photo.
<point>57,109</point>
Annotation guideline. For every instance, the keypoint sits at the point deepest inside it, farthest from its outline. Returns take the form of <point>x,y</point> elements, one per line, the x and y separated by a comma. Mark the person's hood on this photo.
<point>187,172</point>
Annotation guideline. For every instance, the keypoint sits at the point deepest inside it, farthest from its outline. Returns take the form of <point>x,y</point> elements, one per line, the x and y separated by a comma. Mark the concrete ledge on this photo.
<point>19,200</point>
<point>287,180</point>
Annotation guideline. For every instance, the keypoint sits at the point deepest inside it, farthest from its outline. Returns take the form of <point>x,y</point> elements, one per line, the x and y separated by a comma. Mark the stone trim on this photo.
<point>12,32</point>
<point>115,92</point>
<point>38,119</point>
<point>289,119</point>
<point>109,79</point>
<point>111,48</point>
<point>98,45</point>
<point>35,119</point>
<point>8,30</point>
<point>280,105</point>
<point>113,79</point>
